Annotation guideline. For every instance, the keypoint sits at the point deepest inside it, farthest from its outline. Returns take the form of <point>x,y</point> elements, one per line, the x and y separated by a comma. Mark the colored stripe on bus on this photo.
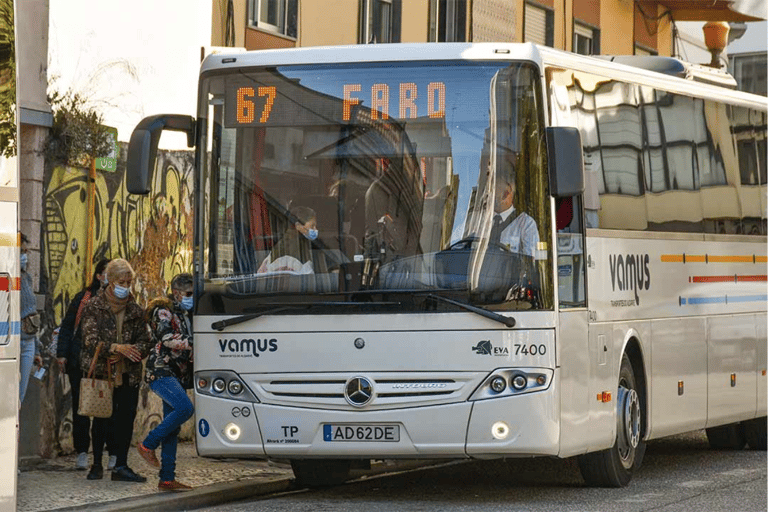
<point>9,284</point>
<point>708,258</point>
<point>727,279</point>
<point>726,299</point>
<point>14,326</point>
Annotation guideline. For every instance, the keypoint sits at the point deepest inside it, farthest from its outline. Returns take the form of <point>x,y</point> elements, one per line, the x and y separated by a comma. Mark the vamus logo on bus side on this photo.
<point>629,272</point>
<point>247,347</point>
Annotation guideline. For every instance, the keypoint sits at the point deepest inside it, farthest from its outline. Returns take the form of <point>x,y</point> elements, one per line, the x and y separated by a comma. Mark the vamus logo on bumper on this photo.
<point>247,347</point>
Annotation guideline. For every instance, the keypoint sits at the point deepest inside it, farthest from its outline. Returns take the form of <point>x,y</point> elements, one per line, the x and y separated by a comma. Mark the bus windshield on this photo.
<point>332,183</point>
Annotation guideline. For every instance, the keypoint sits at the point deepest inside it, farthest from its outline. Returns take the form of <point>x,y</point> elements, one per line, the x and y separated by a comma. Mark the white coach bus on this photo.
<point>472,251</point>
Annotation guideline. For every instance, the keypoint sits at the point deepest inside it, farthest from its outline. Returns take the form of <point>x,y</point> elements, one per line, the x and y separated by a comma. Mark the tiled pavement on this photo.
<point>50,484</point>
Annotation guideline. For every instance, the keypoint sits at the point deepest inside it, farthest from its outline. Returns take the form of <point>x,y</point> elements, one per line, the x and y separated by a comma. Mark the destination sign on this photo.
<point>289,104</point>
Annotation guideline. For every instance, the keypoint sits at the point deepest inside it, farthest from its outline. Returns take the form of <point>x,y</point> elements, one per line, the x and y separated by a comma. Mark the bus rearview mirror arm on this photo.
<point>142,148</point>
<point>566,161</point>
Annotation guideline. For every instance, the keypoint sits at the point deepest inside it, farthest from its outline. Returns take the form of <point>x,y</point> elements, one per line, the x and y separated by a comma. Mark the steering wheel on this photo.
<point>467,243</point>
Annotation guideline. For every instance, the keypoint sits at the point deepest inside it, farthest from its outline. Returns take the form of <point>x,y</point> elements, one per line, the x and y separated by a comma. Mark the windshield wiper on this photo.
<point>506,320</point>
<point>222,324</point>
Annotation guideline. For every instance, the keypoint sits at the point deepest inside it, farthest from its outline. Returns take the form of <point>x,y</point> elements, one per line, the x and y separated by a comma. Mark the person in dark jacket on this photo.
<point>169,374</point>
<point>113,320</point>
<point>68,355</point>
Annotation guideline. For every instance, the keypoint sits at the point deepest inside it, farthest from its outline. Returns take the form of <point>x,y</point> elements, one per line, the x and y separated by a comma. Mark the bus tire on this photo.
<point>615,466</point>
<point>726,437</point>
<point>320,472</point>
<point>756,433</point>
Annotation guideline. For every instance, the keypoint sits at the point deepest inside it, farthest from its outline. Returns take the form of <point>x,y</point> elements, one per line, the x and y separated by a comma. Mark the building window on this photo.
<point>380,21</point>
<point>278,16</point>
<point>750,73</point>
<point>644,52</point>
<point>586,40</point>
<point>448,21</point>
<point>539,25</point>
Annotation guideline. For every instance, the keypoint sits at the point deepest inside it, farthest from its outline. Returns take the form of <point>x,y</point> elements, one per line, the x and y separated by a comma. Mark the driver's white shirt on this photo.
<point>521,235</point>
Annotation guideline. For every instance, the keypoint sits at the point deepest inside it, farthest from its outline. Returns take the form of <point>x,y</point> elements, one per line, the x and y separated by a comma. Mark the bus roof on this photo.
<point>659,72</point>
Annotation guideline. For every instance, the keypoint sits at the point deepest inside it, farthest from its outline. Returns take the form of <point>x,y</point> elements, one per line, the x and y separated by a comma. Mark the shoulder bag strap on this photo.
<point>85,299</point>
<point>95,358</point>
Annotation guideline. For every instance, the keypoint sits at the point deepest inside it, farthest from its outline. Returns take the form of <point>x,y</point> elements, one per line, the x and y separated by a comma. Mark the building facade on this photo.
<point>583,26</point>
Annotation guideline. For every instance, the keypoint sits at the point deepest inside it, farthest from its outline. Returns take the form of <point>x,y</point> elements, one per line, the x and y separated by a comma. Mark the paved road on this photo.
<point>679,474</point>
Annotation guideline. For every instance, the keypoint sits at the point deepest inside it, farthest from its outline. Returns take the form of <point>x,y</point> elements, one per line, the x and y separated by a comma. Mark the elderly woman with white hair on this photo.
<point>113,319</point>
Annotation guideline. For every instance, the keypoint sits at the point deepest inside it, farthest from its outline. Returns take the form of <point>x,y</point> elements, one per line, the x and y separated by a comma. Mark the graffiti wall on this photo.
<point>89,216</point>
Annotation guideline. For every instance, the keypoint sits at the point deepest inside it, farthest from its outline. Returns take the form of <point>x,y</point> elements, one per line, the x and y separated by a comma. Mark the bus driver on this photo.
<point>512,228</point>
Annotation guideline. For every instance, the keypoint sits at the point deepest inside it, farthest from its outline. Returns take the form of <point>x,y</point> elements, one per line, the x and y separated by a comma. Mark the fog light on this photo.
<point>219,385</point>
<point>232,432</point>
<point>541,380</point>
<point>500,430</point>
<point>518,382</point>
<point>235,387</point>
<point>498,384</point>
<point>202,383</point>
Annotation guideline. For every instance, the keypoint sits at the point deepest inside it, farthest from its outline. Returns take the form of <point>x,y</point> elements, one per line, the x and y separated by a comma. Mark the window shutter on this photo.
<point>535,25</point>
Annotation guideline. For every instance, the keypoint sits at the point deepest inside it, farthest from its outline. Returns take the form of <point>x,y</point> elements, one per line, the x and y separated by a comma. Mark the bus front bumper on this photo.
<point>524,425</point>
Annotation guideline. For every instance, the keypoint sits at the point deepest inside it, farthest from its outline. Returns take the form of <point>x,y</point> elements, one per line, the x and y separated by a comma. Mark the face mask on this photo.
<point>23,259</point>
<point>121,292</point>
<point>187,303</point>
<point>312,234</point>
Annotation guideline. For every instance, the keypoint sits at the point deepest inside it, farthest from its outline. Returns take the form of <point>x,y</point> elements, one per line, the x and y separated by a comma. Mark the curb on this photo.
<point>205,496</point>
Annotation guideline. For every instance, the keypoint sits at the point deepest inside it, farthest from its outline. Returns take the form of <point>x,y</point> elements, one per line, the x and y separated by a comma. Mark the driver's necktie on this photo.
<point>496,229</point>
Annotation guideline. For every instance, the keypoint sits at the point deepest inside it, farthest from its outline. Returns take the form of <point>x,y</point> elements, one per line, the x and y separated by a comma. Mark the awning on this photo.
<point>711,10</point>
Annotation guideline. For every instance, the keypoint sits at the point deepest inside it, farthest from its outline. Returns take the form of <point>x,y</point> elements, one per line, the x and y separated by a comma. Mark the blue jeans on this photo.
<point>177,408</point>
<point>26,359</point>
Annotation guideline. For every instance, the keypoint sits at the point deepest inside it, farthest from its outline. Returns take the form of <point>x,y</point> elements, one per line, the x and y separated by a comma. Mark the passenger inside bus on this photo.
<point>293,252</point>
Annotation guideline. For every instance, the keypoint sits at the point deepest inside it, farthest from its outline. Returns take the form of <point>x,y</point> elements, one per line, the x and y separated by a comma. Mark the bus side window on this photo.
<point>570,252</point>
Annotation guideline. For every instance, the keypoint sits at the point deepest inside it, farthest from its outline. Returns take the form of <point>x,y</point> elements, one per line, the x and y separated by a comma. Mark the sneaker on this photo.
<point>111,462</point>
<point>173,486</point>
<point>126,474</point>
<point>148,455</point>
<point>82,461</point>
<point>96,473</point>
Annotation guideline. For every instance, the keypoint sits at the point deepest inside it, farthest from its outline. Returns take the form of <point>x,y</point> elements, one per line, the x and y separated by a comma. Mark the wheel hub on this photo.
<point>628,423</point>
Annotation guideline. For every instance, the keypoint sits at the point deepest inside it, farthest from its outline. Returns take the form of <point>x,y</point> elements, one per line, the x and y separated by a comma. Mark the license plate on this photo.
<point>362,433</point>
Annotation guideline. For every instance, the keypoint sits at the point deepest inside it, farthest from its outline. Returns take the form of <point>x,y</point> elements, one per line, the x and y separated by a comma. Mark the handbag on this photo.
<point>96,394</point>
<point>30,324</point>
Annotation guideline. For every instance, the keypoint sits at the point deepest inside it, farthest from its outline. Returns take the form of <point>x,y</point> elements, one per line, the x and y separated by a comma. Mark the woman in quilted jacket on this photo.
<point>114,321</point>
<point>169,374</point>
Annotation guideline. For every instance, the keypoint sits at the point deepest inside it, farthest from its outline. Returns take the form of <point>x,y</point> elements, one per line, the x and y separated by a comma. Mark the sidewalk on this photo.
<point>53,484</point>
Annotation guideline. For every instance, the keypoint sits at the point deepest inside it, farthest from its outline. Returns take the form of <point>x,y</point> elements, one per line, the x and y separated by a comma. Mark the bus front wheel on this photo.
<point>615,466</point>
<point>320,472</point>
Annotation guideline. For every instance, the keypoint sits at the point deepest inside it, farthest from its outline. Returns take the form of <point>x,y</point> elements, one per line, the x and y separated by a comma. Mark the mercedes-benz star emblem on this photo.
<point>358,391</point>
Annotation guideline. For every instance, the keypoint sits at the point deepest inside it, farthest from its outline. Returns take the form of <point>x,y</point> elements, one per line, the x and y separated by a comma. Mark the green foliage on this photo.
<point>77,135</point>
<point>7,80</point>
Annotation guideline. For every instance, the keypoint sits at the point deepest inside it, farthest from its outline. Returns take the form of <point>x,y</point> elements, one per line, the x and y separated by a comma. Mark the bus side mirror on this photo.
<point>566,162</point>
<point>142,148</point>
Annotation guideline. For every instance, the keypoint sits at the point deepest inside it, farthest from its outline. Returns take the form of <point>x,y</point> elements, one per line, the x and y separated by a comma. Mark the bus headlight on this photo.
<point>235,387</point>
<point>224,384</point>
<point>498,384</point>
<point>232,432</point>
<point>500,430</point>
<point>219,385</point>
<point>518,382</point>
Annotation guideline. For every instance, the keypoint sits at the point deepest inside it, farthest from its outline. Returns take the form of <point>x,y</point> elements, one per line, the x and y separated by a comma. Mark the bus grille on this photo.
<point>391,390</point>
